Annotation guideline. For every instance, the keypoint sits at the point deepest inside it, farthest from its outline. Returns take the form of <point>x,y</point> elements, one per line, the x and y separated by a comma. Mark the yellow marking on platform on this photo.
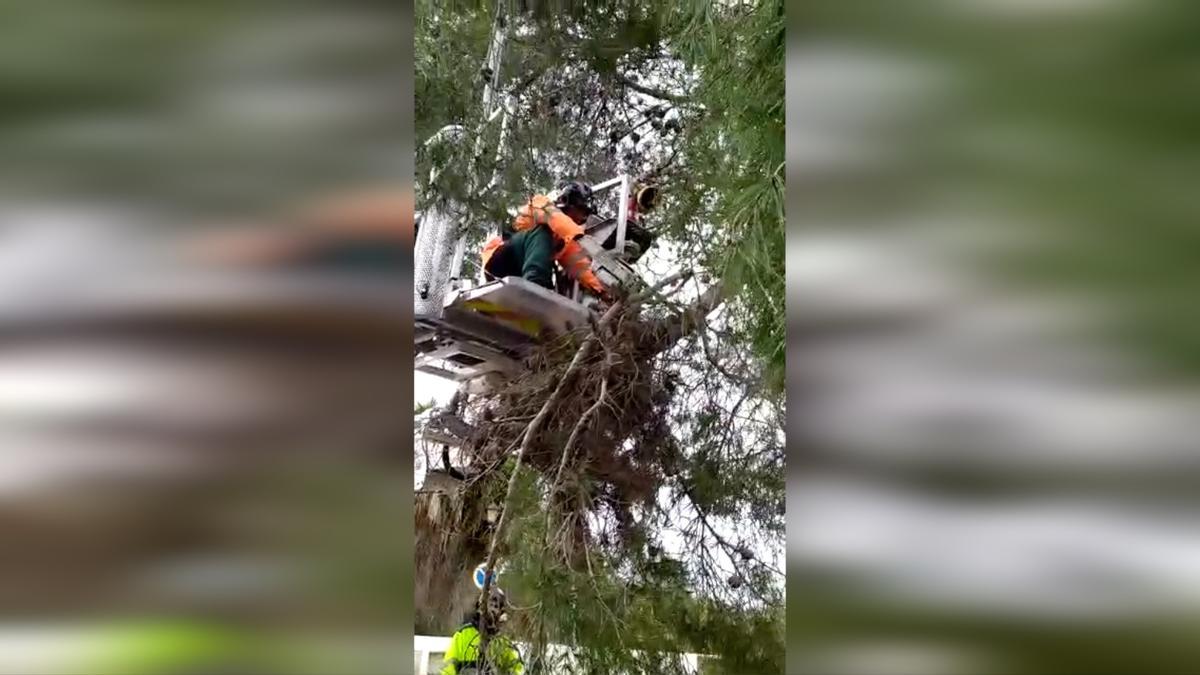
<point>525,324</point>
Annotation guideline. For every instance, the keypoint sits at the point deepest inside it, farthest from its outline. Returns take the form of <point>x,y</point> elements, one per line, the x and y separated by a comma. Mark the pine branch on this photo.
<point>527,82</point>
<point>650,91</point>
<point>576,433</point>
<point>664,333</point>
<point>731,552</point>
<point>681,275</point>
<point>661,168</point>
<point>530,434</point>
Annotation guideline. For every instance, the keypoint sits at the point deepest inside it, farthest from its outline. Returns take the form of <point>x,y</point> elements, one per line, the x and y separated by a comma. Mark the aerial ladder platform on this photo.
<point>468,328</point>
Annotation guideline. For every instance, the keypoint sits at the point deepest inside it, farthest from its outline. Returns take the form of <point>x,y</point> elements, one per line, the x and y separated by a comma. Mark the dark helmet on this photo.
<point>497,601</point>
<point>576,193</point>
<point>495,613</point>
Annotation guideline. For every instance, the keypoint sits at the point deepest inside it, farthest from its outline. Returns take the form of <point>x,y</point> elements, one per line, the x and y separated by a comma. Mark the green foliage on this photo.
<point>624,612</point>
<point>606,619</point>
<point>448,48</point>
<point>736,150</point>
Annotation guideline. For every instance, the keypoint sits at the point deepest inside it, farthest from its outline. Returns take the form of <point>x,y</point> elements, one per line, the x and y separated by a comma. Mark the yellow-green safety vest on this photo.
<point>464,653</point>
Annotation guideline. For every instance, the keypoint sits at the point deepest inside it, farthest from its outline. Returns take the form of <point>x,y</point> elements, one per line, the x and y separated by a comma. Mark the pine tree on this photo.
<point>646,512</point>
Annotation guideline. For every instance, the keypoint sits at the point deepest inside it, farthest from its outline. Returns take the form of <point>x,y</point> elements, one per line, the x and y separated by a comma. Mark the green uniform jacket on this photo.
<point>464,651</point>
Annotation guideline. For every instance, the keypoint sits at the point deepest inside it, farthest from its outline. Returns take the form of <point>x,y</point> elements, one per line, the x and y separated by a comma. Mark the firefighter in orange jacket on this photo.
<point>542,232</point>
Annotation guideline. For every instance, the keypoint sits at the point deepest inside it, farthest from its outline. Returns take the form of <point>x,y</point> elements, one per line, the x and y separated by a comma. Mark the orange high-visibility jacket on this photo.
<point>569,254</point>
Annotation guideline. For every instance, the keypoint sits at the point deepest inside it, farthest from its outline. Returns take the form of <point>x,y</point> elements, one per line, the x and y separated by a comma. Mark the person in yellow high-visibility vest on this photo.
<point>463,657</point>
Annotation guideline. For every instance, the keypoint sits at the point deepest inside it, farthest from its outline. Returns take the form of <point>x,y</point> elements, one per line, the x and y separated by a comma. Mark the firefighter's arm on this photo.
<point>578,265</point>
<point>575,260</point>
<point>537,211</point>
<point>541,211</point>
<point>451,657</point>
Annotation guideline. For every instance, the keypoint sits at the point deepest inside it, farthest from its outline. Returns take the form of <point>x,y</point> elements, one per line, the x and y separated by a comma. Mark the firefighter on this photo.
<point>462,658</point>
<point>542,232</point>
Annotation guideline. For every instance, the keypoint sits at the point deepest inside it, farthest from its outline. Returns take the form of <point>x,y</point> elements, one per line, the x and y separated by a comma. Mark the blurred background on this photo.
<point>993,346</point>
<point>992,363</point>
<point>205,231</point>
